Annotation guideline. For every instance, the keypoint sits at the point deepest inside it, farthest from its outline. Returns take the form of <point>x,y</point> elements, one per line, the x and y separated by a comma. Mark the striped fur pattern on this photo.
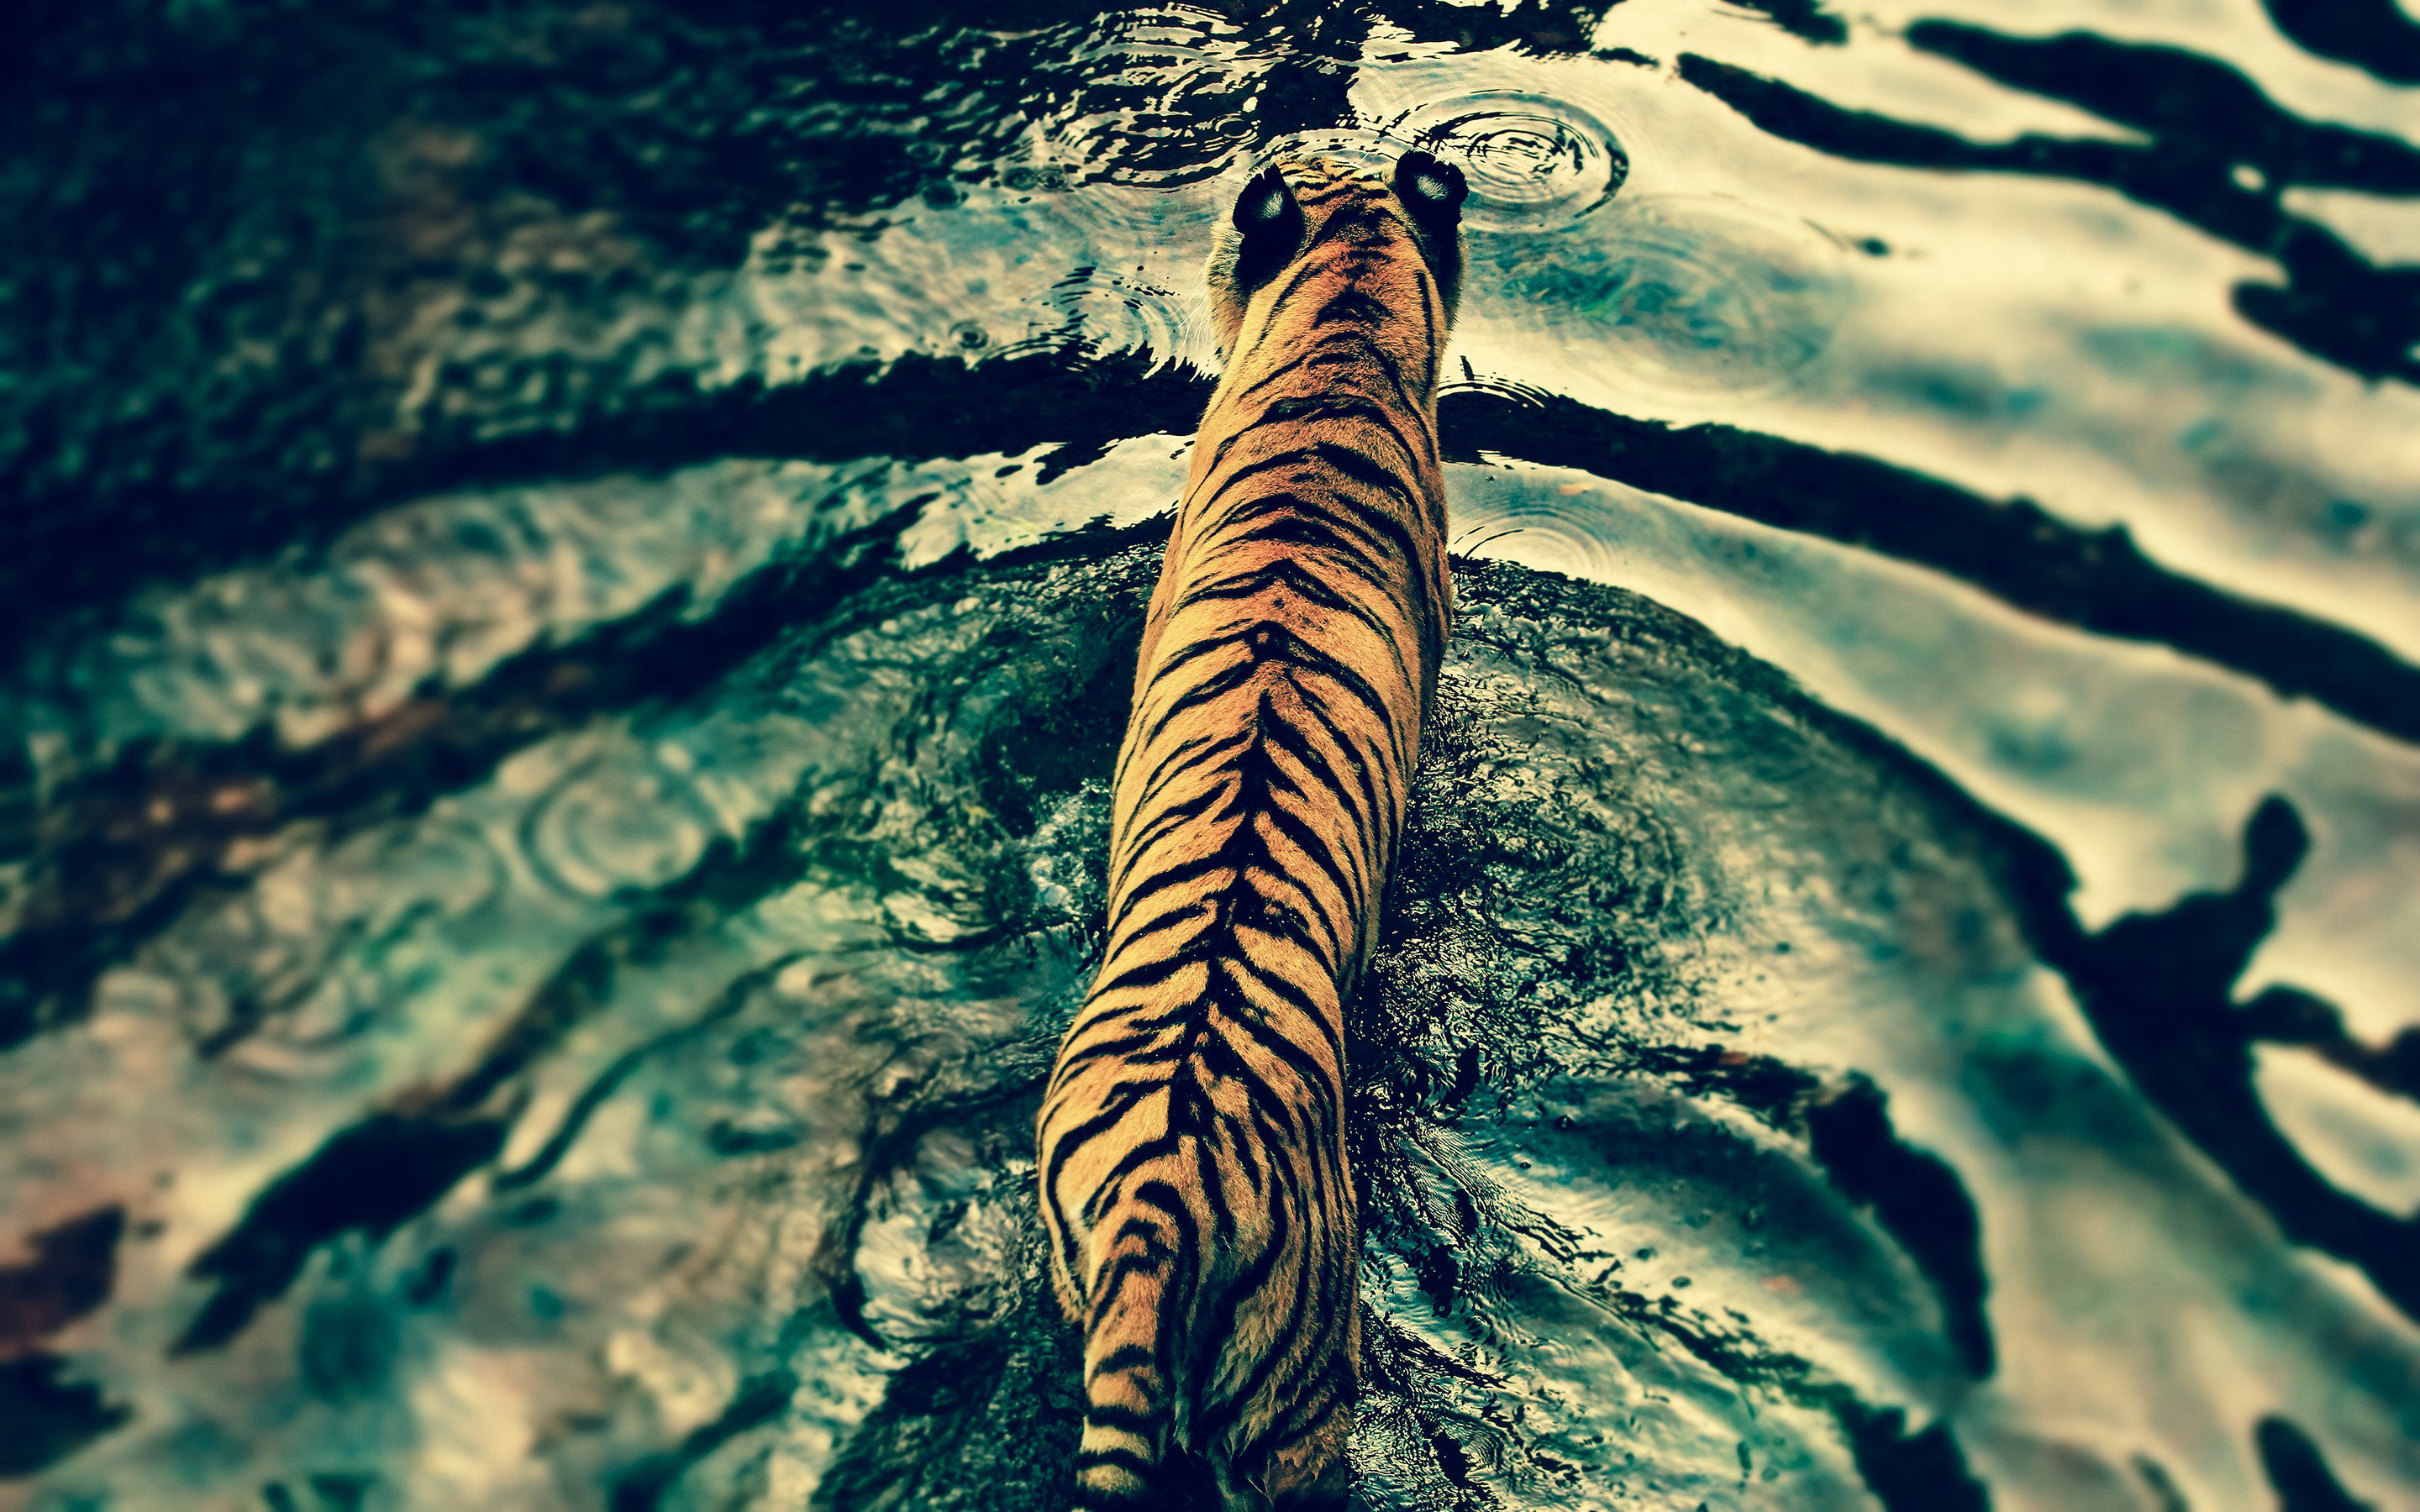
<point>1203,1221</point>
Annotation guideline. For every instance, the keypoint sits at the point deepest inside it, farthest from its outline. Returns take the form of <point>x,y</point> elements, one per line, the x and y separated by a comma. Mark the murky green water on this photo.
<point>572,576</point>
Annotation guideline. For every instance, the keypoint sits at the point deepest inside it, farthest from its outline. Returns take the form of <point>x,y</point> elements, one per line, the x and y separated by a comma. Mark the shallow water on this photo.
<point>572,575</point>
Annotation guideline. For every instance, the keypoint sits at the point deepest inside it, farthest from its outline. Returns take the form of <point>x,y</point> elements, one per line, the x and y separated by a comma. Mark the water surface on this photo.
<point>572,576</point>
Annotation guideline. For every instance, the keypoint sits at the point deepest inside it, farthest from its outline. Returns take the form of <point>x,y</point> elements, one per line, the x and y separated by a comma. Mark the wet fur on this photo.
<point>1201,1218</point>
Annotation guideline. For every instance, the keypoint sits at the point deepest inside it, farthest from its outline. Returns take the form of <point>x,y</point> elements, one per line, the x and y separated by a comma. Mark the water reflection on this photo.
<point>1531,164</point>
<point>573,584</point>
<point>1683,297</point>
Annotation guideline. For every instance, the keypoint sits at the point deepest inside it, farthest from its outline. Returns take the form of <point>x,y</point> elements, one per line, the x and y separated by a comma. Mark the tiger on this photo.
<point>1198,1210</point>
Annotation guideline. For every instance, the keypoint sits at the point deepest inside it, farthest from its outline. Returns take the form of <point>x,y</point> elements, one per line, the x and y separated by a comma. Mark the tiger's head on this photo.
<point>1299,219</point>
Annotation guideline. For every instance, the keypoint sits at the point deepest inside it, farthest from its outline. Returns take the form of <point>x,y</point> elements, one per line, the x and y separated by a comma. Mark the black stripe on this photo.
<point>1133,1051</point>
<point>1364,469</point>
<point>1350,303</point>
<point>1220,1323</point>
<point>1319,351</point>
<point>1264,1104</point>
<point>1293,410</point>
<point>1373,816</point>
<point>1200,507</point>
<point>1315,849</point>
<point>1122,1459</point>
<point>1213,1198</point>
<point>1125,1357</point>
<point>1176,661</point>
<point>1307,1411</point>
<point>1344,842</point>
<point>1354,682</point>
<point>1308,266</point>
<point>1171,876</point>
<point>1212,805</point>
<point>1216,1416</point>
<point>1063,1150</point>
<point>1297,577</point>
<point>1315,1113</point>
<point>1197,753</point>
<point>1315,1073</point>
<point>1209,690</point>
<point>1311,926</point>
<point>1136,1157</point>
<point>1311,525</point>
<point>1124,1419</point>
<point>1154,973</point>
<point>1353,464</point>
<point>1175,919</point>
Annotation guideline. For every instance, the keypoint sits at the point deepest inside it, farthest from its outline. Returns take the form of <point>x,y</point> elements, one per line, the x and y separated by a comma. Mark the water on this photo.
<point>571,577</point>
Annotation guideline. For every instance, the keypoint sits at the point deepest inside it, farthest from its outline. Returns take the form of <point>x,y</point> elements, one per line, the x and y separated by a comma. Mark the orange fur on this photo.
<point>1194,1185</point>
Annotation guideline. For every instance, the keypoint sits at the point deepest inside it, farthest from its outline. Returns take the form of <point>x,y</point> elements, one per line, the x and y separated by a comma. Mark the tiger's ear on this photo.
<point>1266,204</point>
<point>1270,223</point>
<point>1431,189</point>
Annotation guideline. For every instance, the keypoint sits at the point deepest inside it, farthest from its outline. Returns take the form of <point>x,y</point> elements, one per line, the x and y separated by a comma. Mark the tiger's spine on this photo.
<point>1194,1177</point>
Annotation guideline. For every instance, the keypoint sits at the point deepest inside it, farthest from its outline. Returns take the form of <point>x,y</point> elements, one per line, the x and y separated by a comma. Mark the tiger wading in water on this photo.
<point>1201,1220</point>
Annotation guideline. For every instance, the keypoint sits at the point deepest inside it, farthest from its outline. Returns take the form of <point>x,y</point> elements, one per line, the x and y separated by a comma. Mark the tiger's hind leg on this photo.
<point>1313,1474</point>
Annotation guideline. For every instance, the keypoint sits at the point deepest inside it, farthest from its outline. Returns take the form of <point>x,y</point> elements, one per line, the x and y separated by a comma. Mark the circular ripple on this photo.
<point>1683,296</point>
<point>1550,532</point>
<point>1501,515</point>
<point>1366,149</point>
<point>1532,162</point>
<point>1095,312</point>
<point>611,827</point>
<point>1154,98</point>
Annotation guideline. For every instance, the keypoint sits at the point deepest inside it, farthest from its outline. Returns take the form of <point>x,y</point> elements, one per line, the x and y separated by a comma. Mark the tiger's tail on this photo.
<point>1132,1338</point>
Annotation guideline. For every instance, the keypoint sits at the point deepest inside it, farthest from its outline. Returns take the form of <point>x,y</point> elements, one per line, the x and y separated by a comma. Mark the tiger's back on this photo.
<point>1194,1183</point>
